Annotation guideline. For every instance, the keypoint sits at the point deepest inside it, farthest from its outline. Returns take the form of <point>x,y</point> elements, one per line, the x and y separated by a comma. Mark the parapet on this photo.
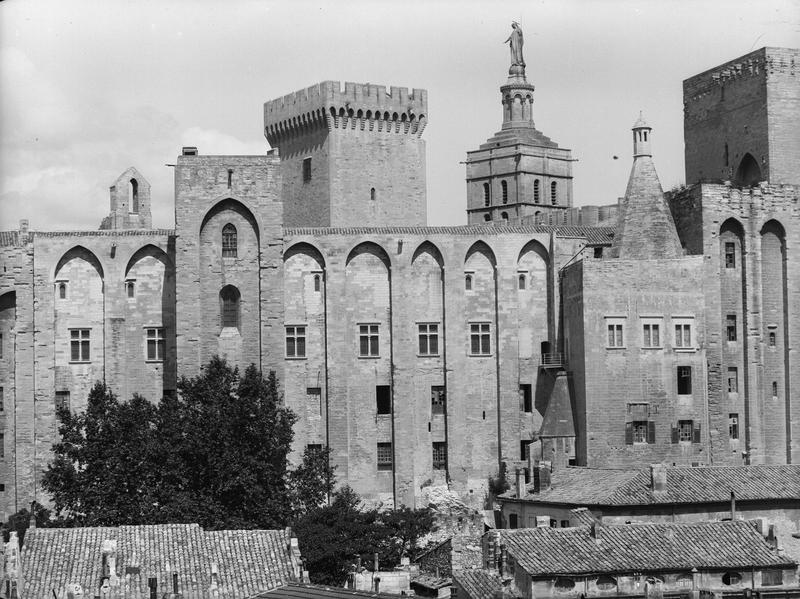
<point>759,63</point>
<point>358,104</point>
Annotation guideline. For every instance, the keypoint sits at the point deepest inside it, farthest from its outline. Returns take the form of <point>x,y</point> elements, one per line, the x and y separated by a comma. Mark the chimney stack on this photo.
<point>23,230</point>
<point>596,532</point>
<point>658,478</point>
<point>733,506</point>
<point>520,483</point>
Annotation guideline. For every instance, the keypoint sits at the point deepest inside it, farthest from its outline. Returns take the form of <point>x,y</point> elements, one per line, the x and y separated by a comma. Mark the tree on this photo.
<point>215,453</point>
<point>19,521</point>
<point>312,482</point>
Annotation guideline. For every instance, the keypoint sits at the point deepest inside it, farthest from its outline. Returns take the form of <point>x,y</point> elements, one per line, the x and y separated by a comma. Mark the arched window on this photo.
<point>748,173</point>
<point>772,338</point>
<point>468,282</point>
<point>774,388</point>
<point>134,195</point>
<point>487,217</point>
<point>536,191</point>
<point>317,282</point>
<point>229,241</point>
<point>62,291</point>
<point>504,215</point>
<point>504,187</point>
<point>487,195</point>
<point>229,306</point>
<point>521,282</point>
<point>129,288</point>
<point>372,194</point>
<point>553,192</point>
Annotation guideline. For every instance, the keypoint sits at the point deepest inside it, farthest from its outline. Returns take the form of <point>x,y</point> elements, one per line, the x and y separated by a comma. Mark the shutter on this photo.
<point>696,431</point>
<point>674,434</point>
<point>651,432</point>
<point>629,433</point>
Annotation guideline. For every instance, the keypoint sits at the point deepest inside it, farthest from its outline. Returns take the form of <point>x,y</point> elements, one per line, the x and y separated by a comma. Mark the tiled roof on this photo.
<point>8,238</point>
<point>106,233</point>
<point>594,486</point>
<point>582,516</point>
<point>641,548</point>
<point>311,591</point>
<point>478,583</point>
<point>248,561</point>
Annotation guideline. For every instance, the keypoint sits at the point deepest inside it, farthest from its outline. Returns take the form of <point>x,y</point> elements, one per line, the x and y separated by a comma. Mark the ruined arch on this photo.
<point>80,252</point>
<point>748,173</point>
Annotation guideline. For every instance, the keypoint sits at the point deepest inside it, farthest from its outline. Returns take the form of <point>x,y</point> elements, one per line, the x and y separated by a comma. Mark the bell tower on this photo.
<point>519,175</point>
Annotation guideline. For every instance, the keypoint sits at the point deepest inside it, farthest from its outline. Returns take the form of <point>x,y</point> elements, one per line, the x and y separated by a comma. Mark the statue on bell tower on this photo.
<point>515,41</point>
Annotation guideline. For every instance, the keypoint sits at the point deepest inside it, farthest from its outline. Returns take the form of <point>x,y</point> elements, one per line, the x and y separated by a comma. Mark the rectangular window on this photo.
<point>526,392</point>
<point>616,333</point>
<point>368,340</point>
<point>2,400</point>
<point>130,288</point>
<point>155,343</point>
<point>428,339</point>
<point>685,431</point>
<point>523,449</point>
<point>306,170</point>
<point>730,255</point>
<point>439,455</point>
<point>2,445</point>
<point>733,426</point>
<point>1,345</point>
<point>296,342</point>
<point>730,326</point>
<point>684,380</point>
<point>480,339</point>
<point>383,399</point>
<point>384,456</point>
<point>640,431</point>
<point>438,400</point>
<point>771,578</point>
<point>314,397</point>
<point>733,379</point>
<point>651,335</point>
<point>513,521</point>
<point>683,335</point>
<point>314,448</point>
<point>62,399</point>
<point>79,345</point>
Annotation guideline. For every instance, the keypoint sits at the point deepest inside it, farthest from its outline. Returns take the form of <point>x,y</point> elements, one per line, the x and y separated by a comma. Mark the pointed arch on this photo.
<point>428,247</point>
<point>306,249</point>
<point>749,172</point>
<point>235,206</point>
<point>370,247</point>
<point>148,250</point>
<point>81,252</point>
<point>481,247</point>
<point>534,246</point>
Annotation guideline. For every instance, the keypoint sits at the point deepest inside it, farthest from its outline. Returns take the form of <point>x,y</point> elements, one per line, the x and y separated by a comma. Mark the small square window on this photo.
<point>480,339</point>
<point>368,340</point>
<point>730,327</point>
<point>526,392</point>
<point>438,400</point>
<point>598,252</point>
<point>383,399</point>
<point>79,344</point>
<point>306,170</point>
<point>385,456</point>
<point>296,341</point>
<point>428,339</point>
<point>314,448</point>
<point>684,380</point>
<point>155,343</point>
<point>771,578</point>
<point>439,455</point>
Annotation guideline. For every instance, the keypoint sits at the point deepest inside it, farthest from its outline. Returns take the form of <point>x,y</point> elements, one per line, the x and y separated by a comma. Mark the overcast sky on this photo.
<point>90,88</point>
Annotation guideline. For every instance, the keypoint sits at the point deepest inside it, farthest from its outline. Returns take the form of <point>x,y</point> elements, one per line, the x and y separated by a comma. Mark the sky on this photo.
<point>90,88</point>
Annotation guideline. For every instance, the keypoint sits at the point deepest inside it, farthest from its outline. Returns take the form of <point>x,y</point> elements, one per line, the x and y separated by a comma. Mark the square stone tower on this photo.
<point>352,157</point>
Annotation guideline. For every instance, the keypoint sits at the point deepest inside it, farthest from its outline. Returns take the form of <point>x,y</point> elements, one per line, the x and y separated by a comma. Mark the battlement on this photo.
<point>363,105</point>
<point>758,64</point>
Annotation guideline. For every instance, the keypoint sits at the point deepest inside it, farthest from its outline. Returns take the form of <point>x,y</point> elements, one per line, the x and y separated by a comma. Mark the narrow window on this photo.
<point>521,281</point>
<point>523,449</point>
<point>513,521</point>
<point>229,306</point>
<point>306,170</point>
<point>684,380</point>
<point>2,445</point>
<point>229,241</point>
<point>525,391</point>
<point>1,345</point>
<point>317,282</point>
<point>772,338</point>
<point>428,339</point>
<point>733,380</point>
<point>230,177</point>
<point>504,215</point>
<point>384,456</point>
<point>62,291</point>
<point>79,345</point>
<point>480,338</point>
<point>134,196</point>
<point>615,337</point>
<point>439,455</point>
<point>155,343</point>
<point>652,335</point>
<point>733,426</point>
<point>725,155</point>
<point>468,282</point>
<point>553,193</point>
<point>368,346</point>
<point>438,399</point>
<point>314,396</point>
<point>130,288</point>
<point>730,326</point>
<point>504,188</point>
<point>372,194</point>
<point>62,400</point>
<point>774,389</point>
<point>730,254</point>
<point>536,191</point>
<point>296,342</point>
<point>2,400</point>
<point>487,195</point>
<point>683,335</point>
<point>383,399</point>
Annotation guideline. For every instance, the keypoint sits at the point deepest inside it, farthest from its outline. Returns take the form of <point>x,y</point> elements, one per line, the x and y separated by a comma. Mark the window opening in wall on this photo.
<point>536,191</point>
<point>564,584</point>
<point>487,217</point>
<point>480,338</point>
<point>639,431</point>
<point>130,288</point>
<point>730,254</point>
<point>487,195</point>
<point>383,399</point>
<point>684,380</point>
<point>1,345</point>
<point>2,400</point>
<point>438,399</point>
<point>774,389</point>
<point>372,194</point>
<point>428,338</point>
<point>314,448</point>
<point>317,282</point>
<point>733,379</point>
<point>368,346</point>
<point>526,392</point>
<point>772,338</point>
<point>439,455</point>
<point>306,170</point>
<point>134,189</point>
<point>62,400</point>
<point>62,291</point>
<point>155,343</point>
<point>296,341</point>
<point>725,156</point>
<point>771,578</point>
<point>513,521</point>
<point>652,335</point>
<point>521,281</point>
<point>598,252</point>
<point>615,337</point>
<point>733,426</point>
<point>384,456</point>
<point>730,326</point>
<point>2,445</point>
<point>504,188</point>
<point>230,241</point>
<point>468,282</point>
<point>230,177</point>
<point>229,306</point>
<point>554,192</point>
<point>683,336</point>
<point>504,215</point>
<point>79,345</point>
<point>685,431</point>
<point>523,449</point>
<point>607,583</point>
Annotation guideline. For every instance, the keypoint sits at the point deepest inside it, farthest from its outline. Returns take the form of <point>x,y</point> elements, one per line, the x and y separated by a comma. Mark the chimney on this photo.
<point>502,566</point>
<point>658,478</point>
<point>545,469</point>
<point>23,230</point>
<point>32,523</point>
<point>733,505</point>
<point>771,538</point>
<point>520,483</point>
<point>189,151</point>
<point>596,532</point>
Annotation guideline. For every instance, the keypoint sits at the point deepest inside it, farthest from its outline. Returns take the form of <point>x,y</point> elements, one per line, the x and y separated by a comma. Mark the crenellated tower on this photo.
<point>352,156</point>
